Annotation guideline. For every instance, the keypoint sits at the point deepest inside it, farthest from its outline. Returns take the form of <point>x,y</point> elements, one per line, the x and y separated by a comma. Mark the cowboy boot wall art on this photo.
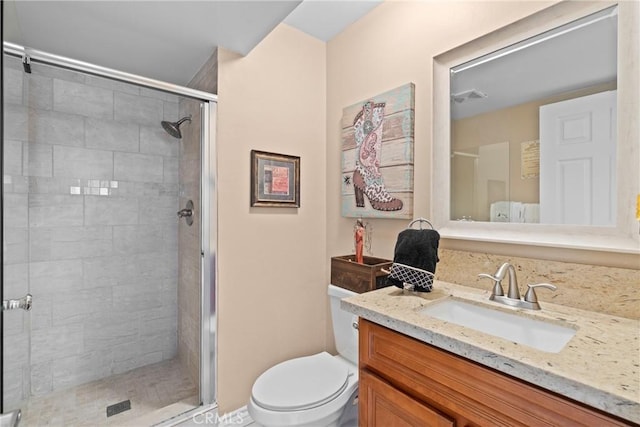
<point>377,136</point>
<point>367,179</point>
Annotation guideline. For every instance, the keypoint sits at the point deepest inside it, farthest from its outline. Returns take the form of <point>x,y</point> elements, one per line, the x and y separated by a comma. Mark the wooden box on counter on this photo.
<point>348,274</point>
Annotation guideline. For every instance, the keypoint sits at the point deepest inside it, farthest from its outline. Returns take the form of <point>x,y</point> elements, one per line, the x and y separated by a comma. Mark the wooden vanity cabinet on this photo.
<point>406,382</point>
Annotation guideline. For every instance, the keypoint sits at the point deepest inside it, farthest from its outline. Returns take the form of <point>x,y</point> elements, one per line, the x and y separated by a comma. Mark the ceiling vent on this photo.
<point>467,95</point>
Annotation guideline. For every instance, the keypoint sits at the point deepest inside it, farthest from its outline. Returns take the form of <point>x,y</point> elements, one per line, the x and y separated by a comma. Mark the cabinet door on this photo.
<point>385,406</point>
<point>469,393</point>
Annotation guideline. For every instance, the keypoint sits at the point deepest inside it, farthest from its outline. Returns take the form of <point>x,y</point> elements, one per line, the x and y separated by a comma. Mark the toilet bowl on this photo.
<point>319,390</point>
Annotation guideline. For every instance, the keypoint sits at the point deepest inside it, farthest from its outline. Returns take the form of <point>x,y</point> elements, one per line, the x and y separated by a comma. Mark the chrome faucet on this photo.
<point>512,298</point>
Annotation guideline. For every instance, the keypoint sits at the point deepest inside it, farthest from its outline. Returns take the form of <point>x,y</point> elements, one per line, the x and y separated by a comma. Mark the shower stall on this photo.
<point>108,220</point>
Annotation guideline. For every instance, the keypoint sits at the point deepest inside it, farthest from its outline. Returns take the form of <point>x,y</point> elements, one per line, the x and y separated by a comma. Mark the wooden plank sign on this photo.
<point>377,156</point>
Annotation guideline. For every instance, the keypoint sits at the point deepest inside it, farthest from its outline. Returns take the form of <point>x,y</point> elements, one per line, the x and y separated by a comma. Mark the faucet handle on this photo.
<point>531,296</point>
<point>497,286</point>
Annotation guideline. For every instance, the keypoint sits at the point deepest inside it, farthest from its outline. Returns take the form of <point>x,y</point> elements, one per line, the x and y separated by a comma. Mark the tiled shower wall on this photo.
<point>188,236</point>
<point>189,245</point>
<point>91,194</point>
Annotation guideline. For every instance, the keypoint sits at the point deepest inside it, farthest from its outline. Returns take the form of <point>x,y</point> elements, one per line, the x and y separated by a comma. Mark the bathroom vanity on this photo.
<point>418,370</point>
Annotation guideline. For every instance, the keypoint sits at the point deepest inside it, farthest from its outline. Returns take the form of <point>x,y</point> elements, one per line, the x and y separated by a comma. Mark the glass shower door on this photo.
<point>92,185</point>
<point>17,300</point>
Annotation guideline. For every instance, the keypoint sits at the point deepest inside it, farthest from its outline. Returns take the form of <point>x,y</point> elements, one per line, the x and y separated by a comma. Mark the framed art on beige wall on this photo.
<point>275,179</point>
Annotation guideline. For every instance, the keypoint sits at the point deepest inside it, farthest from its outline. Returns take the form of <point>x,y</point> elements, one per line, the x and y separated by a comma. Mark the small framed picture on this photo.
<point>275,180</point>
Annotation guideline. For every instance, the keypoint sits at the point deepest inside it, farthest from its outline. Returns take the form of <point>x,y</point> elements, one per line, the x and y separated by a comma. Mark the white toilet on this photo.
<point>319,390</point>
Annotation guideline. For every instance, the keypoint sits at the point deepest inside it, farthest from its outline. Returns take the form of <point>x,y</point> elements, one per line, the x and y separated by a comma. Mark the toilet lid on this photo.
<point>301,383</point>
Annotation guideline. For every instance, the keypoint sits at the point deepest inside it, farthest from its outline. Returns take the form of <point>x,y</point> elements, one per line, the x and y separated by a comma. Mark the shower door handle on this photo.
<point>14,304</point>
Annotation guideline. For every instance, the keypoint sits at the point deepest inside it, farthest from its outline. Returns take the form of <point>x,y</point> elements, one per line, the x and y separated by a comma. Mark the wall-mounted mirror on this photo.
<point>541,111</point>
<point>526,146</point>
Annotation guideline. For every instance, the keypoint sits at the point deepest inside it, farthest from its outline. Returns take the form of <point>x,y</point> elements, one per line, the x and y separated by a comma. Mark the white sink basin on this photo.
<point>534,333</point>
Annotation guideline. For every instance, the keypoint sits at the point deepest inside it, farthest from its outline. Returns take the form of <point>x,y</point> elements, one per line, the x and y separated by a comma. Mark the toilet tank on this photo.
<point>346,336</point>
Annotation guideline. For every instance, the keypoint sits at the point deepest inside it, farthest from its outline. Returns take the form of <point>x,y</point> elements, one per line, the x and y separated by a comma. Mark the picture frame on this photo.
<point>275,180</point>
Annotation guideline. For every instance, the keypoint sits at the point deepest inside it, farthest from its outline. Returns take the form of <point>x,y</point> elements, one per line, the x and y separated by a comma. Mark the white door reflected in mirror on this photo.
<point>578,160</point>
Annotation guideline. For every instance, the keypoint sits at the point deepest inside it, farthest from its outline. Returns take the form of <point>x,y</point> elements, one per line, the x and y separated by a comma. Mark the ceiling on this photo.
<point>167,40</point>
<point>171,40</point>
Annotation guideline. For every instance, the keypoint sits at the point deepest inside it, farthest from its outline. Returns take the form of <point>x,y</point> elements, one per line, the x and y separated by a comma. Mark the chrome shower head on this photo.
<point>173,128</point>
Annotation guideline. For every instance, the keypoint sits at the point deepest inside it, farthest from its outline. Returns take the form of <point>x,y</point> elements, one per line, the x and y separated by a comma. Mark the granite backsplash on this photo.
<point>608,290</point>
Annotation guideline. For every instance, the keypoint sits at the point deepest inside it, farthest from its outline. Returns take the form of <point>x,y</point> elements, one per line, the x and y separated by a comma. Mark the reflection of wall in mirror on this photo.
<point>463,181</point>
<point>493,178</point>
<point>515,124</point>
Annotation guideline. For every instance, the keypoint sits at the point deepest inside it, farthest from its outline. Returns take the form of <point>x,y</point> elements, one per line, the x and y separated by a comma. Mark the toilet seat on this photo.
<point>302,383</point>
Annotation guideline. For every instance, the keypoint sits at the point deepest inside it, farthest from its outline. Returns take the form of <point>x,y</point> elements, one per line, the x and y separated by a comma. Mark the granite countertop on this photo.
<point>600,366</point>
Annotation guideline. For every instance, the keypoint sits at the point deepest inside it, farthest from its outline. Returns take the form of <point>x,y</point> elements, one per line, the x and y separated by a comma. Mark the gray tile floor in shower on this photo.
<point>157,392</point>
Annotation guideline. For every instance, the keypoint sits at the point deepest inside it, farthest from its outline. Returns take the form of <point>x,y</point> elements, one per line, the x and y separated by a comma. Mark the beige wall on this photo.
<point>393,45</point>
<point>272,300</point>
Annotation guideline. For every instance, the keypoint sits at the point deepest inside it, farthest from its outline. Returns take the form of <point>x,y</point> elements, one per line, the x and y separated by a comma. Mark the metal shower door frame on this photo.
<point>208,208</point>
<point>209,234</point>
